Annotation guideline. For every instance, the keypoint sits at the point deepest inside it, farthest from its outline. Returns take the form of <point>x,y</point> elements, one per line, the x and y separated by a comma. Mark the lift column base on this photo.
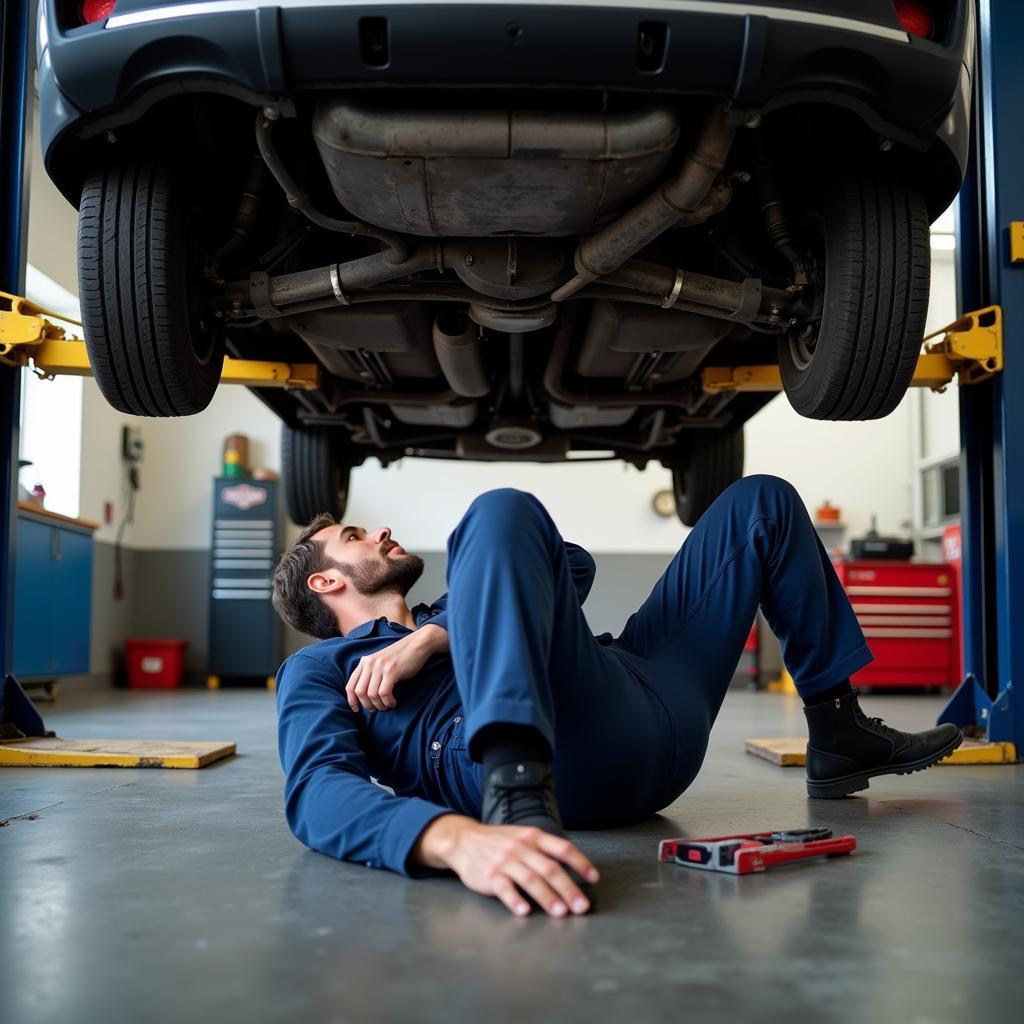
<point>971,708</point>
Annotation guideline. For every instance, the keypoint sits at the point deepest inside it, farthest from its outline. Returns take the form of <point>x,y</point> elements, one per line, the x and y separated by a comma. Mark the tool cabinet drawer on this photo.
<point>909,613</point>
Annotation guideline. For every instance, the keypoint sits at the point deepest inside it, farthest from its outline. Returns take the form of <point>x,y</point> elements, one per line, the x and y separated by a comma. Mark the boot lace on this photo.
<point>872,722</point>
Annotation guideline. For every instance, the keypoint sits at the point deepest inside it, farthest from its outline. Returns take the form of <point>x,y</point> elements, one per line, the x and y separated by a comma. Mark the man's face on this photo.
<point>371,561</point>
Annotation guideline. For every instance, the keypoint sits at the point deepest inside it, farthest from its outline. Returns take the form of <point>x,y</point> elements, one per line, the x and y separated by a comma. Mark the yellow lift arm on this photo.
<point>28,337</point>
<point>971,348</point>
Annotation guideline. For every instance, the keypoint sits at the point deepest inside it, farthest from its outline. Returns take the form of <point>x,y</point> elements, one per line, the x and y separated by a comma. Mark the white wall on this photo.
<point>606,507</point>
<point>52,223</point>
<point>936,421</point>
<point>51,411</point>
<point>603,506</point>
<point>939,415</point>
<point>182,456</point>
<point>103,473</point>
<point>863,468</point>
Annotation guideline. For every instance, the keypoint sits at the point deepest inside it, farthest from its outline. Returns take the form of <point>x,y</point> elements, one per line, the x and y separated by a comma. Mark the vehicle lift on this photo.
<point>990,279</point>
<point>971,349</point>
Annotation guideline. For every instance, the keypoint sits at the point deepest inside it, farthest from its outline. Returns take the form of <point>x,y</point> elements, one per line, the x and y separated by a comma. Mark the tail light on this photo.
<point>96,10</point>
<point>915,17</point>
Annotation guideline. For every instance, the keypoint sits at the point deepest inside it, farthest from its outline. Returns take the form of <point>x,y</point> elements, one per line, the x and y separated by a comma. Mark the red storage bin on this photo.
<point>154,664</point>
<point>910,615</point>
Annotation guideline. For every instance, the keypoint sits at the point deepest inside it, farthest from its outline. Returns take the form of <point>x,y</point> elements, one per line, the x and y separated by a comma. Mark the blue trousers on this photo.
<point>629,719</point>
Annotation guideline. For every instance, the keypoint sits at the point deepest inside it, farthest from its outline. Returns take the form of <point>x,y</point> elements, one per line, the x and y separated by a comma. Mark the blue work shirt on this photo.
<point>331,754</point>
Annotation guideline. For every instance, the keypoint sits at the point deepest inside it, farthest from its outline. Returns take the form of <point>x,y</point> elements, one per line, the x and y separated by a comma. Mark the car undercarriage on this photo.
<point>510,280</point>
<point>492,247</point>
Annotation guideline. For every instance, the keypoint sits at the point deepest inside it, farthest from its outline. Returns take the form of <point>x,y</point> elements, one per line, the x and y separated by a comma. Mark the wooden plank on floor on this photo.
<point>783,752</point>
<point>790,753</point>
<point>53,752</point>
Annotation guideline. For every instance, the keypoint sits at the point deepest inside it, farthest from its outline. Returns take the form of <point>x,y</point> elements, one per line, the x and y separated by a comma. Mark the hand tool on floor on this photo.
<point>754,851</point>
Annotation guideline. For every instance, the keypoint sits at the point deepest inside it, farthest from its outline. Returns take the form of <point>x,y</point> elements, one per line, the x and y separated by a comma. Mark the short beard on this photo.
<point>389,576</point>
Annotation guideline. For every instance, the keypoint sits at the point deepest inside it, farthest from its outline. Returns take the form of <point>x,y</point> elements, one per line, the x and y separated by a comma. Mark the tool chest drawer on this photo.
<point>910,615</point>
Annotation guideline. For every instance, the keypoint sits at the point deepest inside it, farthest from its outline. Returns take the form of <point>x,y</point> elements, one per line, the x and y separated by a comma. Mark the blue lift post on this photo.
<point>992,413</point>
<point>14,71</point>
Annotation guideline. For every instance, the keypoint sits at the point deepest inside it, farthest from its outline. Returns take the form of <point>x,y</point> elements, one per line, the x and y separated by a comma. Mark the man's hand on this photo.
<point>507,861</point>
<point>372,684</point>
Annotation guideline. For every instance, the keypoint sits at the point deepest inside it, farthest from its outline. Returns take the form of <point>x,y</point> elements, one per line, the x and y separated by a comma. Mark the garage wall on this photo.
<point>937,426</point>
<point>863,467</point>
<point>53,221</point>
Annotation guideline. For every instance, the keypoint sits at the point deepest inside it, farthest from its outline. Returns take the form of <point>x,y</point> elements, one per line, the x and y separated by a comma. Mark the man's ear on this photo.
<point>329,582</point>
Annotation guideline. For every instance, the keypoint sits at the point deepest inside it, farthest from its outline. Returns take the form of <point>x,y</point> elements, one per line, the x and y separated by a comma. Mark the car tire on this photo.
<point>315,474</point>
<point>153,353</point>
<point>715,461</point>
<point>870,232</point>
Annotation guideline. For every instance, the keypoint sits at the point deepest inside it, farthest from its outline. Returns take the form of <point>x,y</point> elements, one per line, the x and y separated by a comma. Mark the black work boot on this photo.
<point>845,748</point>
<point>521,793</point>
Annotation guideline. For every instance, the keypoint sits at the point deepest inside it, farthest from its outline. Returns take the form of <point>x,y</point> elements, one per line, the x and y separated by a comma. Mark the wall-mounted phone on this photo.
<point>132,447</point>
<point>132,450</point>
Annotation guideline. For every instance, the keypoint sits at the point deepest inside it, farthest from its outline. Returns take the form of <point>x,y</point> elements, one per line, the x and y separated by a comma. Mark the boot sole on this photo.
<point>832,789</point>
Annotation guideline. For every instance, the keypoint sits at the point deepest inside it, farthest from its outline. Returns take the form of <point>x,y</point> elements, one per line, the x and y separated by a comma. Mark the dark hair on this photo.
<point>293,600</point>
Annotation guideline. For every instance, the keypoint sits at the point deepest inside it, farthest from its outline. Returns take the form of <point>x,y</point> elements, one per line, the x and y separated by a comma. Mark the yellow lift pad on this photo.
<point>53,752</point>
<point>971,349</point>
<point>27,334</point>
<point>788,753</point>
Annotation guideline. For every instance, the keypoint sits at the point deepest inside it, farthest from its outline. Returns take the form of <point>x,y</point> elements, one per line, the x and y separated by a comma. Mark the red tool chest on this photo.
<point>910,614</point>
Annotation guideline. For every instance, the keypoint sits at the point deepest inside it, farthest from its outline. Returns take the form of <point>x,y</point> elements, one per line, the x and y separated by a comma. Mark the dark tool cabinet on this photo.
<point>245,634</point>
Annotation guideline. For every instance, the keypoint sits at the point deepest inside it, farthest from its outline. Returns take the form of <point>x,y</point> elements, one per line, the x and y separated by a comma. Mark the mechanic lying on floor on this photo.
<point>496,716</point>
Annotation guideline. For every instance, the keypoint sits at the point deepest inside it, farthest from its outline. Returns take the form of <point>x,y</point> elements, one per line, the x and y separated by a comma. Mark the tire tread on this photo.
<point>314,474</point>
<point>135,315</point>
<point>879,261</point>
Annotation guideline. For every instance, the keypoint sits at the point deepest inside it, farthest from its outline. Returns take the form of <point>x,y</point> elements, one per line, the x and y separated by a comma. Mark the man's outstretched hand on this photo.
<point>372,684</point>
<point>506,861</point>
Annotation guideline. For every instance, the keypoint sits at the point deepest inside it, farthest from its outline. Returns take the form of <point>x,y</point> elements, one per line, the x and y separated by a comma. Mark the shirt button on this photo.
<point>458,718</point>
<point>435,745</point>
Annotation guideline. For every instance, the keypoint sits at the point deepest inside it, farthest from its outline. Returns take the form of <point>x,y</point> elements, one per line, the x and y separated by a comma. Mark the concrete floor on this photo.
<point>149,895</point>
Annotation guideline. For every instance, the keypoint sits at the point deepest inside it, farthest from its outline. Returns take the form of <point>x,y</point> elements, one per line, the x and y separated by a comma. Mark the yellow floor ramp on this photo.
<point>53,752</point>
<point>25,742</point>
<point>789,753</point>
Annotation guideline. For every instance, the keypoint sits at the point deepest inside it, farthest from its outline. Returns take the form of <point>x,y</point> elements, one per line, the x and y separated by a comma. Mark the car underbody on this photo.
<point>512,273</point>
<point>459,336</point>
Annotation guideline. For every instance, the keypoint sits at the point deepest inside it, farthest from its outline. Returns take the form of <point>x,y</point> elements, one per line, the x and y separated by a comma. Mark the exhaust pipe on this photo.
<point>676,200</point>
<point>457,346</point>
<point>335,281</point>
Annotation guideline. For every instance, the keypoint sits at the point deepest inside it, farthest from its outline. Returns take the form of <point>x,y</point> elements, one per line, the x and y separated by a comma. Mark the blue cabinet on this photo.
<point>52,594</point>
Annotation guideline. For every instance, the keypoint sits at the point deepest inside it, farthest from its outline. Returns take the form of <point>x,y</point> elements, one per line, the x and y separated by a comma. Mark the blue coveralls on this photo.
<point>627,718</point>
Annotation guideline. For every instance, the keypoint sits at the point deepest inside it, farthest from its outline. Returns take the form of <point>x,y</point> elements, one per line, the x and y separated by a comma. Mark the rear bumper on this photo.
<point>763,56</point>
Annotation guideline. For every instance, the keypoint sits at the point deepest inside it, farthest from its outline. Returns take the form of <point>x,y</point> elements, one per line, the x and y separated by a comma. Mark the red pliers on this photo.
<point>755,851</point>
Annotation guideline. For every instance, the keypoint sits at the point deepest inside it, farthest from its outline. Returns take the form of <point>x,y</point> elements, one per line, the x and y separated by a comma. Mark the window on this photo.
<point>940,492</point>
<point>51,413</point>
